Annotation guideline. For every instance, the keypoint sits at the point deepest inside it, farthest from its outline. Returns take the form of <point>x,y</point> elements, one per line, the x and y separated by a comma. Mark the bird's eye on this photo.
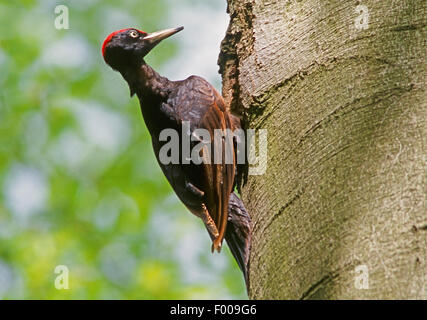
<point>134,34</point>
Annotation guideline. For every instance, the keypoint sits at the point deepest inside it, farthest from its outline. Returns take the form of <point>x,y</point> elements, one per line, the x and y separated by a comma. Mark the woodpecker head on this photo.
<point>127,47</point>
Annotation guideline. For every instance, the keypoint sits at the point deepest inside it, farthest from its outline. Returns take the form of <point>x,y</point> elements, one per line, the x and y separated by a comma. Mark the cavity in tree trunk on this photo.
<point>341,88</point>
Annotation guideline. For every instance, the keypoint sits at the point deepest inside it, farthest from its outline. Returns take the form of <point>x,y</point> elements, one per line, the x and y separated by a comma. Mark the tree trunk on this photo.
<point>341,88</point>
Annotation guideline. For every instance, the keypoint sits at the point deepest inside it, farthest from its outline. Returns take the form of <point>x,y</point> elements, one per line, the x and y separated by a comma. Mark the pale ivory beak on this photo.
<point>158,36</point>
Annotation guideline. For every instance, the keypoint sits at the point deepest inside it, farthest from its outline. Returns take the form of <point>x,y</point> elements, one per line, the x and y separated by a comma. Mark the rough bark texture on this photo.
<point>345,110</point>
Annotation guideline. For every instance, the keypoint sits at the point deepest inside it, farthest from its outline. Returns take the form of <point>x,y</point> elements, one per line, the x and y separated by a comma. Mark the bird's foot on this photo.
<point>194,190</point>
<point>210,224</point>
<point>213,230</point>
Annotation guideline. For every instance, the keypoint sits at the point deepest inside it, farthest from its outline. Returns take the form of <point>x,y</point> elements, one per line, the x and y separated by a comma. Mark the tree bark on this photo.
<point>340,212</point>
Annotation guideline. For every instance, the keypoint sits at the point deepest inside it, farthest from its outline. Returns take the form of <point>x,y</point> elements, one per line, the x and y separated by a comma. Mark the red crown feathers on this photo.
<point>111,35</point>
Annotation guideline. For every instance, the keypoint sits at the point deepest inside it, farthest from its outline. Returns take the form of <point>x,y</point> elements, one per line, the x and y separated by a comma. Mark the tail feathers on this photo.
<point>238,233</point>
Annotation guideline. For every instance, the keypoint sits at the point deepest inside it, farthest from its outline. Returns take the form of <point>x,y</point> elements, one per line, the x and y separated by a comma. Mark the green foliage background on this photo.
<point>79,185</point>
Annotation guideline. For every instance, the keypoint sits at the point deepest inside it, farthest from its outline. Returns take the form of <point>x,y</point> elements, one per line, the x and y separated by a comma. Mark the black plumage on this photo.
<point>207,188</point>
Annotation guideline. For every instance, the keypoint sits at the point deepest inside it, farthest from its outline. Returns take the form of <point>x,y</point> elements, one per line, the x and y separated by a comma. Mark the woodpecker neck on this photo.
<point>145,81</point>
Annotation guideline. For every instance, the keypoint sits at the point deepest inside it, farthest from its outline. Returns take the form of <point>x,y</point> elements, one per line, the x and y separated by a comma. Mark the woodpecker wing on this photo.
<point>198,102</point>
<point>219,174</point>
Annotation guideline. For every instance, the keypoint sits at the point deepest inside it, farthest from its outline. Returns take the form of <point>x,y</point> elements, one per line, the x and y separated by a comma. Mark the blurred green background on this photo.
<point>79,185</point>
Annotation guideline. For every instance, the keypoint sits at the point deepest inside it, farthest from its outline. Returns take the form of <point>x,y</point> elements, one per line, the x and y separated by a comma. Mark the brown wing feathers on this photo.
<point>199,103</point>
<point>219,177</point>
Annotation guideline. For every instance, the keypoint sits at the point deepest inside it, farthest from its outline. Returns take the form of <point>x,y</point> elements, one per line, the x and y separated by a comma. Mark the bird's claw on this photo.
<point>194,190</point>
<point>210,224</point>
